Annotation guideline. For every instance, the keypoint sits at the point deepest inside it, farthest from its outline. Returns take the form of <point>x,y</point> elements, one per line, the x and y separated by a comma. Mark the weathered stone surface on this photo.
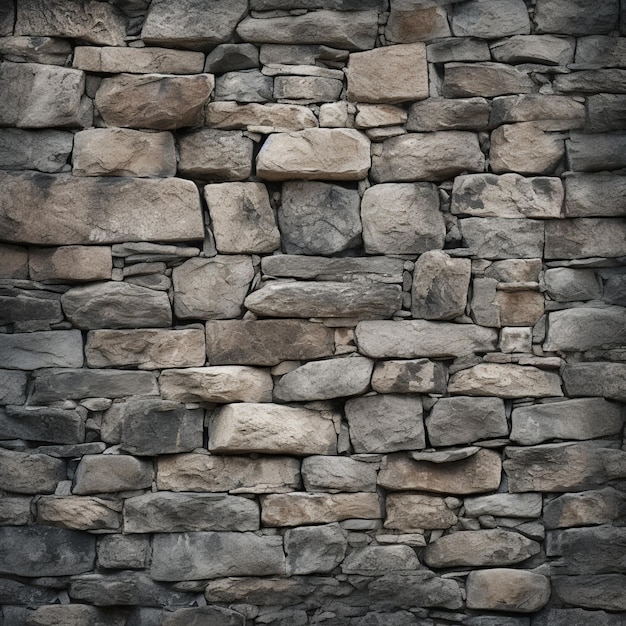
<point>193,24</point>
<point>550,112</point>
<point>379,559</point>
<point>212,288</point>
<point>458,49</point>
<point>375,115</point>
<point>558,467</point>
<point>504,505</point>
<point>604,591</point>
<point>116,305</point>
<point>23,472</point>
<point>604,51</point>
<point>15,510</point>
<point>145,348</point>
<point>70,263</point>
<point>420,338</point>
<point>585,237</point>
<point>41,308</point>
<point>12,387</point>
<point>589,153</point>
<point>333,474</point>
<point>13,592</point>
<point>266,118</point>
<point>124,551</point>
<point>576,17</point>
<point>322,380</point>
<point>413,512</point>
<point>478,473</point>
<point>315,153</point>
<point>23,49</point>
<point>42,551</point>
<point>43,150</point>
<point>463,420</point>
<point>209,615</point>
<point>123,152</point>
<point>385,423</point>
<point>31,351</point>
<point>501,238</point>
<point>369,79</point>
<point>503,589</point>
<point>272,429</point>
<point>38,96</point>
<point>606,112</point>
<point>307,88</point>
<point>165,512</point>
<point>13,261</point>
<point>409,23</point>
<point>48,424</point>
<point>490,548</point>
<point>596,379</point>
<point>108,473</point>
<point>351,30</point>
<point>296,509</point>
<point>519,308</point>
<point>490,19</point>
<point>592,81</point>
<point>247,86</point>
<point>237,474</point>
<point>315,549</point>
<point>565,284</point>
<point>229,57</point>
<point>601,506</point>
<point>442,114</point>
<point>130,100</point>
<point>464,80</point>
<point>79,513</point>
<point>266,342</point>
<point>62,209</point>
<point>324,299</point>
<point>545,49</point>
<point>427,156</point>
<point>410,376</point>
<point>202,555</point>
<point>90,22</point>
<point>224,383</point>
<point>72,615</point>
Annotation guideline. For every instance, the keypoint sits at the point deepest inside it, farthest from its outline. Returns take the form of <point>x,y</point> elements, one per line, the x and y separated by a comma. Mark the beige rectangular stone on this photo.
<point>271,118</point>
<point>79,263</point>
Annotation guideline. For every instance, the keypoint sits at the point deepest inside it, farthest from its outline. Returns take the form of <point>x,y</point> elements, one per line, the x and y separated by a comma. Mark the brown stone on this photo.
<point>71,263</point>
<point>410,376</point>
<point>409,512</point>
<point>463,80</point>
<point>519,308</point>
<point>13,261</point>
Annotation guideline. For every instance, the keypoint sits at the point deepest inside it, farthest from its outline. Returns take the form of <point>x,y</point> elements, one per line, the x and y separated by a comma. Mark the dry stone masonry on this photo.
<point>312,312</point>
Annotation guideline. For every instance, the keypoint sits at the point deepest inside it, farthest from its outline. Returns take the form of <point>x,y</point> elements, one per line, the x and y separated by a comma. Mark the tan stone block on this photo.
<point>72,263</point>
<point>520,308</point>
<point>411,512</point>
<point>92,514</point>
<point>407,24</point>
<point>266,118</point>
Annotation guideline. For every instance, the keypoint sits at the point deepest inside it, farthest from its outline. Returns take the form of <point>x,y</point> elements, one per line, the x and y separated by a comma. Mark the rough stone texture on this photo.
<point>570,285</point>
<point>409,376</point>
<point>589,153</point>
<point>74,512</point>
<point>307,88</point>
<point>267,118</point>
<point>334,474</point>
<point>315,549</point>
<point>24,49</point>
<point>534,49</point>
<point>442,114</point>
<point>606,112</point>
<point>70,263</point>
<point>550,112</point>
<point>13,261</point>
<point>48,424</point>
<point>124,552</point>
<point>43,150</point>
<point>501,238</point>
<point>31,351</point>
<point>600,506</point>
<point>595,379</point>
<point>575,18</point>
<point>411,512</point>
<point>604,591</point>
<point>504,505</point>
<point>585,237</point>
<point>228,57</point>
<point>465,80</point>
<point>490,19</point>
<point>110,473</point>
<point>408,24</point>
<point>23,472</point>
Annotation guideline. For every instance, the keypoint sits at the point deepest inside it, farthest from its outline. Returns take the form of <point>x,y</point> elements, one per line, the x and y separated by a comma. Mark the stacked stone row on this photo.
<point>312,312</point>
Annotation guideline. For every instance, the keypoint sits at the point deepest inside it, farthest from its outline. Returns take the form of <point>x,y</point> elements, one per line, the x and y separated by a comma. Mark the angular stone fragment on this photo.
<point>43,150</point>
<point>39,96</point>
<point>315,549</point>
<point>145,348</point>
<point>603,591</point>
<point>590,153</point>
<point>48,424</point>
<point>70,263</point>
<point>427,156</point>
<point>108,473</point>
<point>464,80</point>
<point>375,115</point>
<point>87,21</point>
<point>601,506</point>
<point>297,509</point>
<point>23,49</point>
<point>13,261</point>
<point>490,548</point>
<point>225,383</point>
<point>15,511</point>
<point>442,114</point>
<point>606,112</point>
<point>316,153</point>
<point>271,428</point>
<point>504,505</point>
<point>236,474</point>
<point>411,376</point>
<point>124,552</point>
<point>385,423</point>
<point>408,23</point>
<point>490,19</point>
<point>334,474</point>
<point>23,472</point>
<point>350,30</point>
<point>266,342</point>
<point>412,512</point>
<point>545,49</point>
<point>379,559</point>
<point>570,285</point>
<point>458,49</point>
<point>202,555</point>
<point>212,288</point>
<point>229,57</point>
<point>158,101</point>
<point>592,81</point>
<point>559,467</point>
<point>507,590</point>
<point>79,513</point>
<point>267,118</point>
<point>192,24</point>
<point>479,473</point>
<point>519,308</point>
<point>501,238</point>
<point>585,237</point>
<point>550,112</point>
<point>31,351</point>
<point>576,17</point>
<point>165,512</point>
<point>420,338</point>
<point>324,299</point>
<point>41,308</point>
<point>62,209</point>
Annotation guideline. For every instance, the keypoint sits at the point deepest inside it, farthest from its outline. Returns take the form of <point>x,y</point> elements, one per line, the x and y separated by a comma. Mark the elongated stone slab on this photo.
<point>599,194</point>
<point>269,118</point>
<point>53,425</point>
<point>79,513</point>
<point>413,512</point>
<point>599,506</point>
<point>500,238</point>
<point>585,237</point>
<point>596,379</point>
<point>30,351</point>
<point>43,150</point>
<point>22,472</point>
<point>109,473</point>
<point>62,209</point>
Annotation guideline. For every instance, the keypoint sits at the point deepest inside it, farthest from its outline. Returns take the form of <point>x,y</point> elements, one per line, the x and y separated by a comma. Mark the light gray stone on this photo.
<point>565,284</point>
<point>379,560</point>
<point>246,86</point>
<point>409,376</point>
<point>590,153</point>
<point>334,474</point>
<point>72,615</point>
<point>322,380</point>
<point>307,88</point>
<point>427,156</point>
<point>230,57</point>
<point>271,428</point>
<point>606,112</point>
<point>549,111</point>
<point>442,114</point>
<point>109,473</point>
<point>23,472</point>
<point>490,19</point>
<point>411,22</point>
<point>585,237</point>
<point>413,512</point>
<point>576,17</point>
<point>545,49</point>
<point>603,591</point>
<point>266,118</point>
<point>315,549</point>
<point>458,49</point>
<point>601,50</point>
<point>385,423</point>
<point>48,424</point>
<point>502,238</point>
<point>376,115</point>
<point>15,510</point>
<point>504,505</point>
<point>212,288</point>
<point>124,551</point>
<point>600,506</point>
<point>23,49</point>
<point>43,150</point>
<point>79,513</point>
<point>70,263</point>
<point>31,351</point>
<point>466,80</point>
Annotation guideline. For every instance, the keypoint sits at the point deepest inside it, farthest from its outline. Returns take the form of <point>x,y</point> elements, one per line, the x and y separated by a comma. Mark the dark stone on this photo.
<point>12,387</point>
<point>597,152</point>
<point>606,112</point>
<point>25,305</point>
<point>14,592</point>
<point>596,379</point>
<point>204,616</point>
<point>604,591</point>
<point>576,17</point>
<point>43,424</point>
<point>230,57</point>
<point>22,472</point>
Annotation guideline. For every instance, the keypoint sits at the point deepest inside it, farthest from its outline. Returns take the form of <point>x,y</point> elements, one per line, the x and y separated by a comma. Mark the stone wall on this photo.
<point>312,312</point>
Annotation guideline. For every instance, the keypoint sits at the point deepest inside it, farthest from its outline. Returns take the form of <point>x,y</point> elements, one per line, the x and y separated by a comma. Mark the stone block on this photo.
<point>458,49</point>
<point>33,308</point>
<point>247,86</point>
<point>269,118</point>
<point>24,49</point>
<point>52,425</point>
<point>266,342</point>
<point>272,429</point>
<point>315,153</point>
<point>601,50</point>
<point>600,506</point>
<point>297,509</point>
<point>205,555</point>
<point>70,263</point>
<point>12,387</point>
<point>230,57</point>
<point>592,81</point>
<point>212,288</point>
<point>409,512</point>
<point>479,473</point>
<point>222,383</point>
<point>323,380</point>
<point>516,339</point>
<point>409,376</point>
<point>31,351</point>
<point>109,473</point>
<point>15,510</point>
<point>545,49</point>
<point>565,284</point>
<point>585,237</point>
<point>73,615</point>
<point>490,19</point>
<point>62,209</point>
<point>123,152</point>
<point>124,551</point>
<point>379,560</point>
<point>128,100</point>
<point>426,156</point>
<point>165,512</point>
<point>591,153</point>
<point>521,505</point>
<point>606,112</point>
<point>40,96</point>
<point>315,549</point>
<point>436,114</point>
<point>206,615</point>
<point>408,23</point>
<point>13,261</point>
<point>502,238</point>
<point>13,592</point>
<point>603,591</point>
<point>324,299</point>
<point>79,513</point>
<point>23,472</point>
<point>307,88</point>
<point>549,111</point>
<point>43,150</point>
<point>519,308</point>
<point>466,80</point>
<point>385,423</point>
<point>376,115</point>
<point>595,379</point>
<point>334,474</point>
<point>576,17</point>
<point>145,349</point>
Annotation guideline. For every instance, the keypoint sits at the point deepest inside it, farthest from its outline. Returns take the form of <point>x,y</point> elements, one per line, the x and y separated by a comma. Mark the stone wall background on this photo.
<point>312,312</point>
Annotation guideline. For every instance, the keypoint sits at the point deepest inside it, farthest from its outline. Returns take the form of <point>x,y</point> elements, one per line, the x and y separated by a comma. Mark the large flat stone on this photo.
<point>414,512</point>
<point>24,49</point>
<point>565,284</point>
<point>207,614</point>
<point>109,473</point>
<point>606,111</point>
<point>521,505</point>
<point>31,351</point>
<point>380,560</point>
<point>315,153</point>
<point>79,513</point>
<point>500,238</point>
<point>334,474</point>
<point>596,152</point>
<point>444,114</point>
<point>62,209</point>
<point>23,472</point>
<point>52,425</point>
<point>315,549</point>
<point>490,19</point>
<point>575,17</point>
<point>466,80</point>
<point>407,24</point>
<point>600,506</point>
<point>409,376</point>
<point>29,309</point>
<point>71,615</point>
<point>268,118</point>
<point>271,428</point>
<point>547,49</point>
<point>549,111</point>
<point>43,150</point>
<point>70,263</point>
<point>596,379</point>
<point>585,237</point>
<point>601,591</point>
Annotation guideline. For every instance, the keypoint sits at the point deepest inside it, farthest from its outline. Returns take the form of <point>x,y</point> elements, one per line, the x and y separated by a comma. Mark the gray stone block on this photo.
<point>245,86</point>
<point>43,424</point>
<point>333,474</point>
<point>490,19</point>
<point>409,376</point>
<point>600,506</point>
<point>442,114</point>
<point>597,152</point>
<point>30,351</point>
<point>466,80</point>
<point>576,17</point>
<point>124,551</point>
<point>498,238</point>
<point>231,57</point>
<point>565,284</point>
<point>315,549</point>
<point>603,591</point>
<point>596,379</point>
<point>109,473</point>
<point>584,237</point>
<point>23,472</point>
<point>43,150</point>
